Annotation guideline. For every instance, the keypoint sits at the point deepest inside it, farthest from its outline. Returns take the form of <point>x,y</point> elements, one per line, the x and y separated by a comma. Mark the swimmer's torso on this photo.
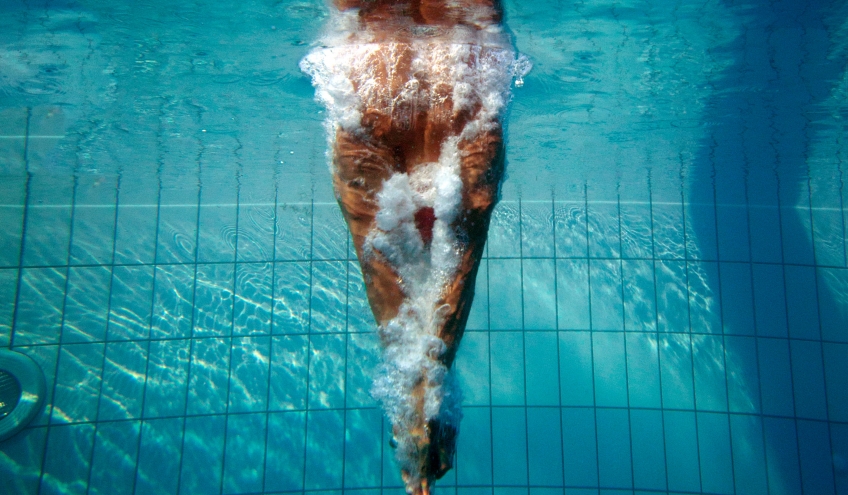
<point>400,20</point>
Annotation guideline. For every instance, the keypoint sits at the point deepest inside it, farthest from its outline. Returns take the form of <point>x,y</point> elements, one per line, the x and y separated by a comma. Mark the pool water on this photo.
<point>662,307</point>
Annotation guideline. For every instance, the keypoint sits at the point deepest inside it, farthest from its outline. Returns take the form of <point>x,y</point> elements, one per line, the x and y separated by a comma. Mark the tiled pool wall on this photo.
<point>207,342</point>
<point>663,306</point>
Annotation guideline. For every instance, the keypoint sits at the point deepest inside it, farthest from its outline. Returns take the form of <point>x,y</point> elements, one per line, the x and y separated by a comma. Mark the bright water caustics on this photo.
<point>415,93</point>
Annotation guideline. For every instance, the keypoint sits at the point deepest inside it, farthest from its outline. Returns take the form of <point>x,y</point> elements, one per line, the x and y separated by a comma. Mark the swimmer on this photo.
<point>416,91</point>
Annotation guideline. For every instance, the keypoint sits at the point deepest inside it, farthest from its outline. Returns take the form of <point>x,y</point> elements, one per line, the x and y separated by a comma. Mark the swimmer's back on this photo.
<point>474,13</point>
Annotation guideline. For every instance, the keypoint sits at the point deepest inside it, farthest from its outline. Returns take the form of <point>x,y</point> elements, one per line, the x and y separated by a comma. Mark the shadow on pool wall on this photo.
<point>769,200</point>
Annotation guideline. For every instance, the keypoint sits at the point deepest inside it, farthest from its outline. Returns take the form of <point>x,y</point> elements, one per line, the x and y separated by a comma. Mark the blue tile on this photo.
<point>575,351</point>
<point>573,294</point>
<point>167,373</point>
<point>330,235</point>
<point>604,238</point>
<point>478,318</point>
<point>509,434</point>
<point>294,232</point>
<point>714,452</point>
<point>610,369</point>
<point>505,302</point>
<point>244,458</point>
<point>732,232</point>
<point>646,430</point>
<point>816,458</point>
<point>291,297</point>
<point>802,302</point>
<point>580,446</point>
<point>839,441</point>
<point>122,387</point>
<point>208,380</point>
<point>775,377</point>
<point>770,301</point>
<point>836,380</point>
<point>20,461</point>
<point>544,436</point>
<point>472,369</point>
<point>136,233</point>
<point>537,229</point>
<point>40,299</point>
<point>114,460</point>
<point>285,451</point>
<point>93,231</point>
<point>607,307</point>
<point>797,235</point>
<point>252,301</point>
<point>178,232</point>
<point>507,358</point>
<point>541,359</point>
<point>48,234</point>
<point>256,232</point>
<point>640,313</point>
<point>474,448</point>
<point>681,442</point>
<point>217,232</point>
<point>173,295</point>
<point>328,296</point>
<point>672,296</point>
<point>742,371</point>
<point>77,387</point>
<point>708,360</point>
<point>249,374</point>
<point>131,302</point>
<point>324,448</point>
<point>668,230</point>
<point>8,287</point>
<point>782,463</point>
<point>701,232</point>
<point>86,304</point>
<point>643,370</point>
<point>828,237</point>
<point>765,234</point>
<point>636,236</point>
<point>570,230</point>
<point>67,459</point>
<point>736,298</point>
<point>614,457</point>
<point>160,439</point>
<point>833,284</point>
<point>538,285</point>
<point>749,456</point>
<point>363,444</point>
<point>676,371</point>
<point>504,231</point>
<point>11,221</point>
<point>808,379</point>
<point>705,309</point>
<point>289,367</point>
<point>213,300</point>
<point>327,361</point>
<point>202,454</point>
<point>363,358</point>
<point>359,315</point>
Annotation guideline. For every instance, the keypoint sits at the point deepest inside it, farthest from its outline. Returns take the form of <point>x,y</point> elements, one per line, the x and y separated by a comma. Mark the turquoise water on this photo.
<point>663,306</point>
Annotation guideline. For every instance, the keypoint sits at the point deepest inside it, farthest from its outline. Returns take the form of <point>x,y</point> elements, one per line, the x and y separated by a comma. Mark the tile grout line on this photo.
<point>24,219</point>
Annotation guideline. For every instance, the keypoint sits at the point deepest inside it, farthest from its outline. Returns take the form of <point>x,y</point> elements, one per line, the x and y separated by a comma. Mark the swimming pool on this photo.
<point>662,308</point>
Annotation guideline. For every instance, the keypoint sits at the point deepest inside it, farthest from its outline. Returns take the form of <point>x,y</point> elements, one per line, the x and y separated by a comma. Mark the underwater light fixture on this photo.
<point>22,392</point>
<point>416,92</point>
